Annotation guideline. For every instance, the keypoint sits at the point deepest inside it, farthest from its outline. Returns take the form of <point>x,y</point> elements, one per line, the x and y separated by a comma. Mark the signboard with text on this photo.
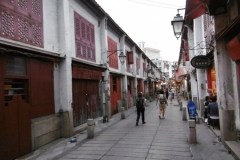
<point>201,61</point>
<point>82,73</point>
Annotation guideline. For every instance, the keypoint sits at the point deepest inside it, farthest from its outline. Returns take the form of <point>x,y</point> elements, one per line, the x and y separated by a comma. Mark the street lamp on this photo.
<point>121,56</point>
<point>177,24</point>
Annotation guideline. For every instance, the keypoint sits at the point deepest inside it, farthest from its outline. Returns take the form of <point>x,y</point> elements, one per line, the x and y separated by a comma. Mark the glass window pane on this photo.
<point>16,66</point>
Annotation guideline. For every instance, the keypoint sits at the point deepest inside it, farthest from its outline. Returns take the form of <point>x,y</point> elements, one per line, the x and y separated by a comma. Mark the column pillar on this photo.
<point>124,77</point>
<point>225,73</point>
<point>104,61</point>
<point>63,91</point>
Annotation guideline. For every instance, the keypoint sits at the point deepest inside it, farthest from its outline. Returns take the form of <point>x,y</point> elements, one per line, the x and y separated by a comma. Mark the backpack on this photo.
<point>161,99</point>
<point>139,103</point>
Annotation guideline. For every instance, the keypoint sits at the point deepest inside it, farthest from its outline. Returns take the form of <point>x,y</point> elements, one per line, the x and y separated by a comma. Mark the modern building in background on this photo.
<point>163,66</point>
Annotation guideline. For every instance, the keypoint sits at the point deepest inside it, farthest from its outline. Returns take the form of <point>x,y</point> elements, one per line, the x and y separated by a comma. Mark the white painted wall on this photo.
<point>50,25</point>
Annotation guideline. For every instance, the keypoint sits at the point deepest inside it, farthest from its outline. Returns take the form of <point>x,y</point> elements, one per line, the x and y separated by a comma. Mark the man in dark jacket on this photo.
<point>212,109</point>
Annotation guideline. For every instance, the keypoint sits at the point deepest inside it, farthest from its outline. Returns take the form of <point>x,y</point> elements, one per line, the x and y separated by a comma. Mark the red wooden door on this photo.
<point>15,119</point>
<point>86,101</point>
<point>17,139</point>
<point>115,87</point>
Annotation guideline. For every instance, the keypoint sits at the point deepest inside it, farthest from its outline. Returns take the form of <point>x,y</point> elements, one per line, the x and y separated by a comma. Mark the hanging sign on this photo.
<point>200,61</point>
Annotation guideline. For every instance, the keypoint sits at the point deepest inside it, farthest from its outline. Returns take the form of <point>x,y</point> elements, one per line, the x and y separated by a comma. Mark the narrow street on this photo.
<point>157,139</point>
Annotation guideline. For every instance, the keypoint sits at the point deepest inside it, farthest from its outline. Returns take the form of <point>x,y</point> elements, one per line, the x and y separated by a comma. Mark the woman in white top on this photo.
<point>171,94</point>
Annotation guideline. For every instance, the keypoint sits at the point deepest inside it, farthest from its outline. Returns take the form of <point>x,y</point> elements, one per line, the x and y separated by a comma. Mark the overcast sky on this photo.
<point>148,21</point>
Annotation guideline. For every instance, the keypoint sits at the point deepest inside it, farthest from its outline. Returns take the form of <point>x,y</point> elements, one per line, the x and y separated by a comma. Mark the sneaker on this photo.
<point>159,117</point>
<point>163,117</point>
<point>144,123</point>
<point>136,124</point>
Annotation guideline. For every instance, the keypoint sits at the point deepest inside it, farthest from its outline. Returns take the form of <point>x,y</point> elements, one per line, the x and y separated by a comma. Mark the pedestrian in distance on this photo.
<point>207,101</point>
<point>167,93</point>
<point>140,102</point>
<point>162,104</point>
<point>171,95</point>
<point>212,109</point>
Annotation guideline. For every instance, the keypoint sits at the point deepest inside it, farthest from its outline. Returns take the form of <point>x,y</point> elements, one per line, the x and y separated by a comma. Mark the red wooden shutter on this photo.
<point>36,10</point>
<point>77,26</point>
<point>127,62</point>
<point>233,48</point>
<point>92,35</point>
<point>144,67</point>
<point>137,65</point>
<point>22,21</point>
<point>186,51</point>
<point>84,38</point>
<point>209,79</point>
<point>130,57</point>
<point>8,3</point>
<point>113,57</point>
<point>23,7</point>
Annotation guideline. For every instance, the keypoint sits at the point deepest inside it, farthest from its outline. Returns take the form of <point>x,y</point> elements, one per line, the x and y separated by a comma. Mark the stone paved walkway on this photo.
<point>162,139</point>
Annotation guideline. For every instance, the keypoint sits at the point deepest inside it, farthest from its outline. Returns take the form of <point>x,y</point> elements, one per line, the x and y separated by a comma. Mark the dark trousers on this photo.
<point>205,113</point>
<point>138,114</point>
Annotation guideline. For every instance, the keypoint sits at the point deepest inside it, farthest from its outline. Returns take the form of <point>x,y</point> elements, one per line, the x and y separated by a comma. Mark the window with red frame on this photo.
<point>137,65</point>
<point>22,21</point>
<point>84,38</point>
<point>127,64</point>
<point>144,68</point>
<point>113,56</point>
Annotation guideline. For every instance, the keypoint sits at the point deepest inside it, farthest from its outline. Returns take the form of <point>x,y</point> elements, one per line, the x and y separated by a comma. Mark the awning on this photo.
<point>233,48</point>
<point>180,74</point>
<point>195,8</point>
<point>183,76</point>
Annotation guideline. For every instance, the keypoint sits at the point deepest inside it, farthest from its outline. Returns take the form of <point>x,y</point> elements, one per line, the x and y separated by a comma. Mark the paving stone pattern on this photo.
<point>161,139</point>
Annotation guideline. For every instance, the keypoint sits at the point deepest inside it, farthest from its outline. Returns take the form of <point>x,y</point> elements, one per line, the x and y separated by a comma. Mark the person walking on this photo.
<point>207,101</point>
<point>171,94</point>
<point>212,110</point>
<point>162,104</point>
<point>140,102</point>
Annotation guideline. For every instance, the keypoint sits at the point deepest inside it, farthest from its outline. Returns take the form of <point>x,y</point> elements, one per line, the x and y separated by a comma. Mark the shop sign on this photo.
<point>82,73</point>
<point>201,61</point>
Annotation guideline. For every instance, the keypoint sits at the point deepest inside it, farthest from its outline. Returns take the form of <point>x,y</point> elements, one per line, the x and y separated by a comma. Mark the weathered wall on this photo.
<point>45,129</point>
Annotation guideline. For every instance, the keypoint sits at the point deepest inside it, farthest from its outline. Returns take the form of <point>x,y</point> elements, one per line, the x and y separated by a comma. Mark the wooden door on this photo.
<point>86,101</point>
<point>115,94</point>
<point>17,139</point>
<point>15,119</point>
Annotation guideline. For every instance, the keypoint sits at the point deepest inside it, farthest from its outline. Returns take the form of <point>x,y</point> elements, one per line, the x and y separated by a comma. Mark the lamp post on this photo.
<point>177,24</point>
<point>121,56</point>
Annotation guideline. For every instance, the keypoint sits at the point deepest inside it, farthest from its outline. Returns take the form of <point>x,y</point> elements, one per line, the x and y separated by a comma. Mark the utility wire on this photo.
<point>153,5</point>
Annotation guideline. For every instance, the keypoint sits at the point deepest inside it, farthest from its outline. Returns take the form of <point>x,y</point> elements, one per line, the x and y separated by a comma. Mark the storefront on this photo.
<point>115,92</point>
<point>130,91</point>
<point>27,93</point>
<point>86,91</point>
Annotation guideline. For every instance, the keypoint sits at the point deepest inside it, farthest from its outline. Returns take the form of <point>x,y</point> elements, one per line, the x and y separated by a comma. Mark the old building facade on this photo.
<point>59,66</point>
